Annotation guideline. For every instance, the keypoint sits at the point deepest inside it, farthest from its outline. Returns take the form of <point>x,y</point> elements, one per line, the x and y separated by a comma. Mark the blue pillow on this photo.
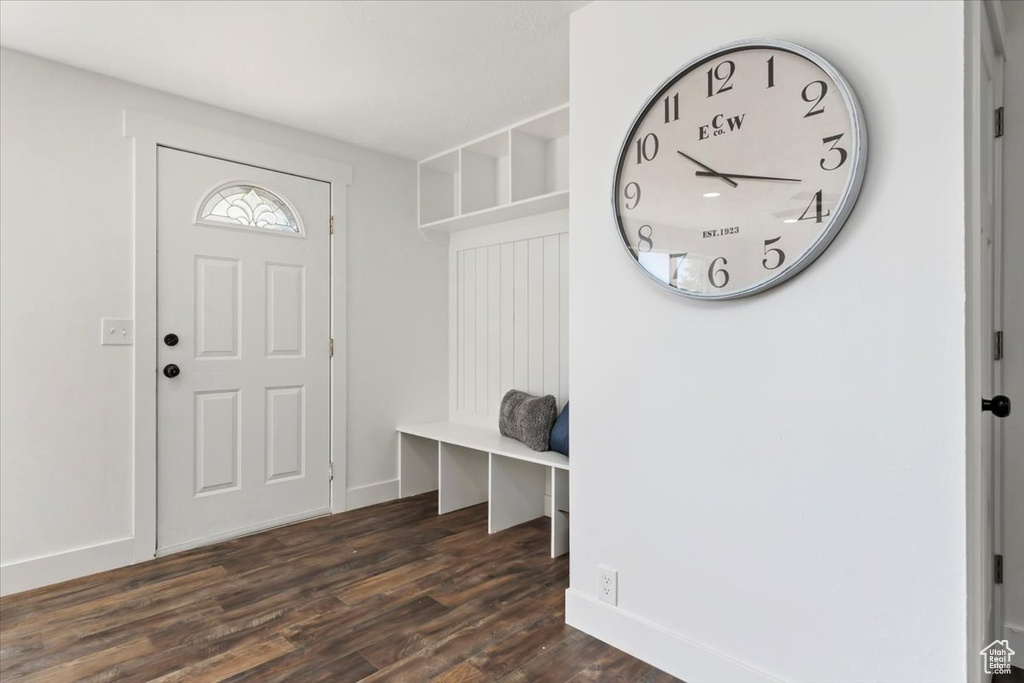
<point>559,440</point>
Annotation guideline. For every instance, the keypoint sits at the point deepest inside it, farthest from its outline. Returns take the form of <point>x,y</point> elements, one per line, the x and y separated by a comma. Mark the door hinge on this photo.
<point>997,351</point>
<point>998,567</point>
<point>332,224</point>
<point>330,471</point>
<point>332,347</point>
<point>999,122</point>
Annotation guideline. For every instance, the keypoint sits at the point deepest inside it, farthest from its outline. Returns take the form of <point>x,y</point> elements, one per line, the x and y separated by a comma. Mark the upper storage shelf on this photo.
<point>519,171</point>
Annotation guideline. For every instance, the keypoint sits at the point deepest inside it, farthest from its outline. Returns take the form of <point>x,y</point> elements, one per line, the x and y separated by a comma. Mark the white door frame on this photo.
<point>978,524</point>
<point>147,133</point>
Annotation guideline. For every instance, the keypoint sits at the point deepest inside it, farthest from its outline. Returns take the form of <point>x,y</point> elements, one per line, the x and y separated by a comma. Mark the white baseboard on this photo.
<point>371,494</point>
<point>668,651</point>
<point>42,571</point>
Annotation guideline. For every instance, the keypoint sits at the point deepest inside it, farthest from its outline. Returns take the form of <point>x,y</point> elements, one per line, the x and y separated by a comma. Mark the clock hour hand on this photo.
<point>710,171</point>
<point>749,177</point>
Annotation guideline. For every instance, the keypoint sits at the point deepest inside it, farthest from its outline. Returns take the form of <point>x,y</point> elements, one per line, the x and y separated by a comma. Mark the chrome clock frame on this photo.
<point>858,151</point>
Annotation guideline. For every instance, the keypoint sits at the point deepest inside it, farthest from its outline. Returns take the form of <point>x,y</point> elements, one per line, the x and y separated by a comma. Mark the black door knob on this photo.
<point>171,339</point>
<point>999,405</point>
<point>171,370</point>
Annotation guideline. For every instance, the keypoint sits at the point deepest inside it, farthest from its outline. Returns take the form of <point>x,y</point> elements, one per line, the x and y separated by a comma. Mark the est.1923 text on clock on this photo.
<point>740,170</point>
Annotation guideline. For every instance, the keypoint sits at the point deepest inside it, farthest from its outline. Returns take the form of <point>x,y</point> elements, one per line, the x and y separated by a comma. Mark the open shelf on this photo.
<point>439,187</point>
<point>519,171</point>
<point>498,214</point>
<point>485,174</point>
<point>540,156</point>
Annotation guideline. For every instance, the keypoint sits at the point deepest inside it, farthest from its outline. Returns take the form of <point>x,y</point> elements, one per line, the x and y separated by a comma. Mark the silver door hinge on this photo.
<point>998,567</point>
<point>332,224</point>
<point>997,350</point>
<point>330,471</point>
<point>999,122</point>
<point>332,347</point>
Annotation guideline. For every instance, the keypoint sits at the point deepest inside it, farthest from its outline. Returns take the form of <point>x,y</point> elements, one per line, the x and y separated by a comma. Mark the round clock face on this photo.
<point>740,170</point>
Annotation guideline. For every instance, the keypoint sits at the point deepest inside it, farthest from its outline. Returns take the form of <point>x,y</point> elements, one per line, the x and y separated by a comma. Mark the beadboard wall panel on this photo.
<point>509,315</point>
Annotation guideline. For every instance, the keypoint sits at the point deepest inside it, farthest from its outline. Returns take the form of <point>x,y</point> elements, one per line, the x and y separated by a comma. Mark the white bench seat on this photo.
<point>469,464</point>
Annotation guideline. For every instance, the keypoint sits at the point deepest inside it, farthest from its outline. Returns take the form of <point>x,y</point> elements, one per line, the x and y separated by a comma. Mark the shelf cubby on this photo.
<point>540,156</point>
<point>519,171</point>
<point>439,187</point>
<point>485,174</point>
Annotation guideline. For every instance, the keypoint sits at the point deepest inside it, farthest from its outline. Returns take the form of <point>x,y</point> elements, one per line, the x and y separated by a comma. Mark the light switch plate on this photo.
<point>117,332</point>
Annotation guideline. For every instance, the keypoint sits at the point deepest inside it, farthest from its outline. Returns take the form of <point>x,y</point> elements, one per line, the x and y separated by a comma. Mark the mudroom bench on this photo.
<point>468,465</point>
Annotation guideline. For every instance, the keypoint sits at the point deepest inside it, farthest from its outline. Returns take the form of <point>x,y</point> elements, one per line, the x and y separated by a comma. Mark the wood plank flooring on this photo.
<point>389,593</point>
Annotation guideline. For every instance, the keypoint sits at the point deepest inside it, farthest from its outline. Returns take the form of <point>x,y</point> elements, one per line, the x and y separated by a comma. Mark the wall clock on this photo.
<point>740,170</point>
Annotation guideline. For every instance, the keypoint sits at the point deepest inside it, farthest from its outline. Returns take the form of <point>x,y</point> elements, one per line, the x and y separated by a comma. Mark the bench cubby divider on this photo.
<point>417,458</point>
<point>559,512</point>
<point>462,477</point>
<point>517,492</point>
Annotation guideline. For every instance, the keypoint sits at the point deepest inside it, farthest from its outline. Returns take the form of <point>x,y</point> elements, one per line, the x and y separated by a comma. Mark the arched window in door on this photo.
<point>245,205</point>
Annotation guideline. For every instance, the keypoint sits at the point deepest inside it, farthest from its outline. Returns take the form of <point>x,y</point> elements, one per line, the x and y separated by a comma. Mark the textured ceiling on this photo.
<point>409,78</point>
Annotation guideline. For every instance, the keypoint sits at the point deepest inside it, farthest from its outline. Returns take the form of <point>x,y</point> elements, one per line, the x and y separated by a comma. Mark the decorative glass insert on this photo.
<point>249,206</point>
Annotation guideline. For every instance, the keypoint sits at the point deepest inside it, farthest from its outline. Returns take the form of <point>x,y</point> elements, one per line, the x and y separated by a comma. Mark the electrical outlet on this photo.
<point>608,585</point>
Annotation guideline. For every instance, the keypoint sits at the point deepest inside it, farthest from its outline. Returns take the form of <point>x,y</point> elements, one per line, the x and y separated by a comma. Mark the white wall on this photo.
<point>1013,326</point>
<point>66,260</point>
<point>797,511</point>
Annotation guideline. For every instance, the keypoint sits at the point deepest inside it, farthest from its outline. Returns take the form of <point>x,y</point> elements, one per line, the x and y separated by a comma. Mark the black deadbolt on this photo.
<point>171,370</point>
<point>999,405</point>
<point>171,339</point>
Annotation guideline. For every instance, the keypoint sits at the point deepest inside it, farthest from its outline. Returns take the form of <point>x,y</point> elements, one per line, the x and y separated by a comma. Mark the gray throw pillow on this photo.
<point>528,418</point>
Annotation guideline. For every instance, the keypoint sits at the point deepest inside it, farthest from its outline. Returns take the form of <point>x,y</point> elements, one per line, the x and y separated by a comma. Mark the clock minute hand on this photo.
<point>749,177</point>
<point>710,171</point>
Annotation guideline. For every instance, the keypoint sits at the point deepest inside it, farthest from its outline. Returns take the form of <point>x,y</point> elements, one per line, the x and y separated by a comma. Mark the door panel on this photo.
<point>285,309</point>
<point>217,316</point>
<point>244,281</point>
<point>285,443</point>
<point>217,448</point>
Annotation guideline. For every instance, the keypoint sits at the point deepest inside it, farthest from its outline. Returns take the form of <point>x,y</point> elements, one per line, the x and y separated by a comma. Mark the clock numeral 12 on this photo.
<point>717,74</point>
<point>674,108</point>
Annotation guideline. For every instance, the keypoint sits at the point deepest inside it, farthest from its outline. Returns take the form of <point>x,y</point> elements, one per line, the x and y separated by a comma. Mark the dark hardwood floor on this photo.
<point>1015,676</point>
<point>388,593</point>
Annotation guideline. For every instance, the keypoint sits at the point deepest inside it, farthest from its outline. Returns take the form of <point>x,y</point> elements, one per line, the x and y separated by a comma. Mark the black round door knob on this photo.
<point>999,405</point>
<point>171,339</point>
<point>171,370</point>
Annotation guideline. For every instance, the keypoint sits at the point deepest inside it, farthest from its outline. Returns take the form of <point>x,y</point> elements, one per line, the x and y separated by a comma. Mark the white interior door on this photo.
<point>243,282</point>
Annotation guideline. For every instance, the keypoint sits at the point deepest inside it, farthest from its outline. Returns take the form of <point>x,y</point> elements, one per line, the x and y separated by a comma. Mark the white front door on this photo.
<point>243,324</point>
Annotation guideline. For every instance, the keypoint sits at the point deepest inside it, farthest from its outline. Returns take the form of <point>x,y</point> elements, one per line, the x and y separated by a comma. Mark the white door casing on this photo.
<point>990,205</point>
<point>984,241</point>
<point>991,185</point>
<point>1010,506</point>
<point>146,133</point>
<point>243,438</point>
